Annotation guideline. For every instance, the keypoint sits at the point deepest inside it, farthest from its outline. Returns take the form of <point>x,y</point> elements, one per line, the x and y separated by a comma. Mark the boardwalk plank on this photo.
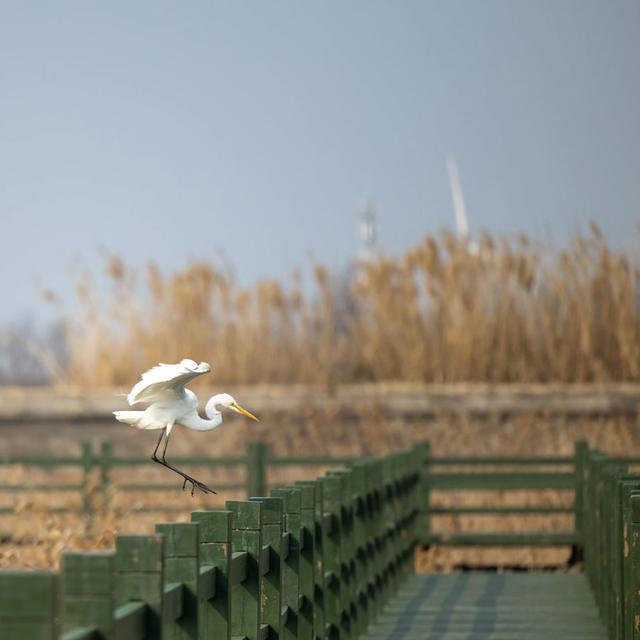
<point>467,606</point>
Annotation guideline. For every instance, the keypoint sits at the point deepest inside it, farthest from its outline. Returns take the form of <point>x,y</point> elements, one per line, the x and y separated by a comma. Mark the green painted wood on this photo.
<point>311,461</point>
<point>633,608</point>
<point>86,592</point>
<point>291,498</point>
<point>581,451</point>
<point>172,602</point>
<point>13,488</point>
<point>139,577</point>
<point>181,549</point>
<point>496,511</point>
<point>84,633</point>
<point>256,468</point>
<point>503,481</point>
<point>246,536</point>
<point>271,585</point>
<point>500,539</point>
<point>239,563</point>
<point>318,565</point>
<point>361,536</point>
<point>214,616</point>
<point>130,621</point>
<point>348,587</point>
<point>506,461</point>
<point>332,554</point>
<point>426,462</point>
<point>28,604</point>
<point>87,465</point>
<point>307,562</point>
<point>176,488</point>
<point>106,455</point>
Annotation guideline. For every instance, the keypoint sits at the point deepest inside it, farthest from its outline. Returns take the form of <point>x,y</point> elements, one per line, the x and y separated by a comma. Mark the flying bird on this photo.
<point>163,387</point>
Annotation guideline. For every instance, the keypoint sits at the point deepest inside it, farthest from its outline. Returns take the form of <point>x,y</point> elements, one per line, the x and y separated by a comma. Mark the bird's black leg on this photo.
<point>195,484</point>
<point>154,456</point>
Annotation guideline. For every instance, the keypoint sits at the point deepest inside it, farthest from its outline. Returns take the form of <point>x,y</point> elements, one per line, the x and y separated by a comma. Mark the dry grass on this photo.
<point>39,535</point>
<point>512,311</point>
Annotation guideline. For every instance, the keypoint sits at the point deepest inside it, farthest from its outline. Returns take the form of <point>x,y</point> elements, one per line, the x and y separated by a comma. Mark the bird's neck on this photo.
<point>213,419</point>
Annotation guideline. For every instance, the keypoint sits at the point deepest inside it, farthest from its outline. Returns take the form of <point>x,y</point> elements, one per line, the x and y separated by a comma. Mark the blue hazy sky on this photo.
<point>169,130</point>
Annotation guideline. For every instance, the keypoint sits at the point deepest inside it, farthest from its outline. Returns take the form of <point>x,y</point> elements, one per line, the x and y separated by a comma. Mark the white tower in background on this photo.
<point>459,208</point>
<point>368,231</point>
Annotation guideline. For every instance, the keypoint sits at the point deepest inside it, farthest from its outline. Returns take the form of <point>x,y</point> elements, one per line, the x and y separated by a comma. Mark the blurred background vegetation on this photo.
<point>504,309</point>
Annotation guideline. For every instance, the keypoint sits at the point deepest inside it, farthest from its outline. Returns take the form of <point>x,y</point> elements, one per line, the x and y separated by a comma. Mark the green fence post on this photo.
<point>271,574</point>
<point>86,592</point>
<point>373,540</point>
<point>630,489</point>
<point>139,577</point>
<point>425,494</point>
<point>332,555</point>
<point>214,614</point>
<point>349,609</point>
<point>307,560</point>
<point>633,613</point>
<point>256,469</point>
<point>618,471</point>
<point>181,566</point>
<point>105,469</point>
<point>360,536</point>
<point>318,565</point>
<point>87,466</point>
<point>416,478</point>
<point>291,565</point>
<point>246,536</point>
<point>28,605</point>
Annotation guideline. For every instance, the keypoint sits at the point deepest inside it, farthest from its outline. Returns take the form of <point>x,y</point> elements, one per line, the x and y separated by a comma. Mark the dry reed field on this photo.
<point>39,535</point>
<point>511,310</point>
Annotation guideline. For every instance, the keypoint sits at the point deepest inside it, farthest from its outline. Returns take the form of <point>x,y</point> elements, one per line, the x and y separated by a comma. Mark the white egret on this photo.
<point>163,387</point>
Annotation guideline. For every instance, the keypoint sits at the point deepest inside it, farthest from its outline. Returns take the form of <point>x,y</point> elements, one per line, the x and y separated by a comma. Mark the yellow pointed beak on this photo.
<point>238,409</point>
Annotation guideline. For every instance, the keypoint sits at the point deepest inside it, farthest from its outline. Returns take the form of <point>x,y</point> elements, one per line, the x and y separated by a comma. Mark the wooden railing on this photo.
<point>315,560</point>
<point>610,509</point>
<point>253,465</point>
<point>499,475</point>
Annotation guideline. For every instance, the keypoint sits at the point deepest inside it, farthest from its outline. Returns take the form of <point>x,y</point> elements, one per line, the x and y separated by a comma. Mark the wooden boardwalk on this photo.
<point>475,606</point>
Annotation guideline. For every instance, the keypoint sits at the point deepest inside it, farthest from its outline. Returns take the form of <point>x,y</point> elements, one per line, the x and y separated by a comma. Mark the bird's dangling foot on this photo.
<point>195,484</point>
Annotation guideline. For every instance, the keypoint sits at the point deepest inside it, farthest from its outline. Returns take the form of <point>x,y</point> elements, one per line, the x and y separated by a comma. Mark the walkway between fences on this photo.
<point>333,558</point>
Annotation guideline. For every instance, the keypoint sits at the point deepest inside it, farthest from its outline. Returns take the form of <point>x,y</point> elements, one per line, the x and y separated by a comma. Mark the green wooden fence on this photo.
<point>318,559</point>
<point>440,474</point>
<point>253,465</point>
<point>313,560</point>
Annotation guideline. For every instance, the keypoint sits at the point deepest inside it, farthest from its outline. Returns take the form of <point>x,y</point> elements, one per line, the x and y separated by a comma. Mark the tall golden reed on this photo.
<point>507,310</point>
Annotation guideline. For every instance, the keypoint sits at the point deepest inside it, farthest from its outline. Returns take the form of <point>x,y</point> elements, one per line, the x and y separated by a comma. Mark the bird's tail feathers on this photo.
<point>138,419</point>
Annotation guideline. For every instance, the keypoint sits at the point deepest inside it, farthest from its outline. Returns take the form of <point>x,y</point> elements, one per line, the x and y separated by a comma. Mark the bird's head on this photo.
<point>228,402</point>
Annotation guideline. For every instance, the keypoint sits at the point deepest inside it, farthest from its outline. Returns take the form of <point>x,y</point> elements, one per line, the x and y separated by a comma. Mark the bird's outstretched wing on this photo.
<point>164,379</point>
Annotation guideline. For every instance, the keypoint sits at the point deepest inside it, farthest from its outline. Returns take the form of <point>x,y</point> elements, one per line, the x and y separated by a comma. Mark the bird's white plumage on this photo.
<point>169,402</point>
<point>166,381</point>
<point>163,387</point>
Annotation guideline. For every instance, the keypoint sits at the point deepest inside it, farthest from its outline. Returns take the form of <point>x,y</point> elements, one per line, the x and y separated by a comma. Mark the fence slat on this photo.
<point>307,561</point>
<point>246,537</point>
<point>271,587</point>
<point>181,567</point>
<point>86,592</point>
<point>291,567</point>
<point>28,604</point>
<point>214,616</point>
<point>256,469</point>
<point>139,577</point>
